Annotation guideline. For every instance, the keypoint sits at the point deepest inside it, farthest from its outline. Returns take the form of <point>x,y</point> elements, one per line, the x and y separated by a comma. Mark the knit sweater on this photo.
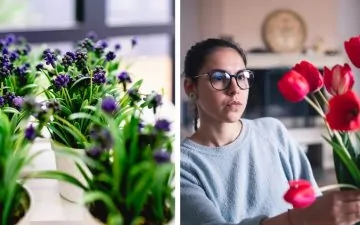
<point>243,182</point>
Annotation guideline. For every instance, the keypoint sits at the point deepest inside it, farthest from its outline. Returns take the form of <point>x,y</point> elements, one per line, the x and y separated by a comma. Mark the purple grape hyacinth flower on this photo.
<point>109,104</point>
<point>162,125</point>
<point>30,133</point>
<point>110,56</point>
<point>2,101</point>
<point>117,47</point>
<point>62,80</point>
<point>17,102</point>
<point>124,77</point>
<point>162,156</point>
<point>99,77</point>
<point>134,41</point>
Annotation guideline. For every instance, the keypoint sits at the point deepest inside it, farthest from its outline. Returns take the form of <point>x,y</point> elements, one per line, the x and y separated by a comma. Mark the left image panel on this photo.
<point>87,105</point>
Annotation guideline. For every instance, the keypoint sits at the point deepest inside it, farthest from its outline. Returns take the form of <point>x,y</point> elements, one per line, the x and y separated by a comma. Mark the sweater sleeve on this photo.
<point>196,207</point>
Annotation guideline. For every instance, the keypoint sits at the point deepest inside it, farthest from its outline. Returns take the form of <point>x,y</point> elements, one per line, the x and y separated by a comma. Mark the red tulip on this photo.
<point>293,86</point>
<point>339,79</point>
<point>344,112</point>
<point>352,48</point>
<point>300,194</point>
<point>311,74</point>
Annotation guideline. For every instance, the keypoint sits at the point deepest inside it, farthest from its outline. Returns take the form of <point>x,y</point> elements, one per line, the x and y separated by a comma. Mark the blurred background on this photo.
<point>276,34</point>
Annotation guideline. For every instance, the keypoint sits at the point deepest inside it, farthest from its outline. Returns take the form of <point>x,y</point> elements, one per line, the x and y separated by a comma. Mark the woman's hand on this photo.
<point>335,208</point>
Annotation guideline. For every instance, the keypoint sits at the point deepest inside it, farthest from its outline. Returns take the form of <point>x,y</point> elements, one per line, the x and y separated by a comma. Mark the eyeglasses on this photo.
<point>221,80</point>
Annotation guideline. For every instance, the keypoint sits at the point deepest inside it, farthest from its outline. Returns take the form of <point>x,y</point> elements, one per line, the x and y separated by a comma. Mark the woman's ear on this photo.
<point>190,88</point>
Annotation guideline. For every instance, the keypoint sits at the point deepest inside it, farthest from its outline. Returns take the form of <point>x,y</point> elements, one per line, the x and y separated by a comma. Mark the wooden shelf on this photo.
<point>272,60</point>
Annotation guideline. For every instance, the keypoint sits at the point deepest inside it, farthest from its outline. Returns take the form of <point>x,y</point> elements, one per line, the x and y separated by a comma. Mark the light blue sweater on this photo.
<point>243,182</point>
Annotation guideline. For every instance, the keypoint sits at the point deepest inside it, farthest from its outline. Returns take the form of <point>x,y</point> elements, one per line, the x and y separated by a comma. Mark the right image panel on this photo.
<point>269,112</point>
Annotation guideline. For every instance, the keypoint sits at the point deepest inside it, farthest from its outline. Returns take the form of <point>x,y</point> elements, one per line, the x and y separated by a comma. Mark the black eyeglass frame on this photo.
<point>231,76</point>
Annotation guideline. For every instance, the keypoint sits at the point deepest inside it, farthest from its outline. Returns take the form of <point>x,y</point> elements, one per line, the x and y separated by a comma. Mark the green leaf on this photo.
<point>93,196</point>
<point>56,175</point>
<point>345,161</point>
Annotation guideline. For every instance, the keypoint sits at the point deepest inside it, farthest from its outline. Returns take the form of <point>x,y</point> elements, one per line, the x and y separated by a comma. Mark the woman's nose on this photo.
<point>233,87</point>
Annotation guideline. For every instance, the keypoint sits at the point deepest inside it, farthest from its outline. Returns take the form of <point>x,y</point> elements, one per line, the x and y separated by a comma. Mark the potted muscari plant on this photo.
<point>132,185</point>
<point>129,173</point>
<point>77,80</point>
<point>16,138</point>
<point>340,110</point>
<point>18,77</point>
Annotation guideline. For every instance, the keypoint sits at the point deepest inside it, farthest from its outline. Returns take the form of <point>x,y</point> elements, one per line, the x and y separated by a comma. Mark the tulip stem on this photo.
<point>321,113</point>
<point>336,186</point>
<point>324,119</point>
<point>323,98</point>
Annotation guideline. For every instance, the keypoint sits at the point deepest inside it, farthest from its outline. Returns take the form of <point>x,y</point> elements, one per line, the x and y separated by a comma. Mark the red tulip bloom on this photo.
<point>311,74</point>
<point>344,112</point>
<point>352,48</point>
<point>293,86</point>
<point>300,194</point>
<point>339,79</point>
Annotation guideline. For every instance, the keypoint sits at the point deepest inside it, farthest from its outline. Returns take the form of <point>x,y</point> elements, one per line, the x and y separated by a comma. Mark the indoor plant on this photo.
<point>128,174</point>
<point>16,138</point>
<point>339,108</point>
<point>76,81</point>
<point>18,75</point>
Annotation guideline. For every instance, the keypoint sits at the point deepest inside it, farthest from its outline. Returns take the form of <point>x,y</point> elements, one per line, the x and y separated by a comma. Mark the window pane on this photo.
<point>36,14</point>
<point>135,12</point>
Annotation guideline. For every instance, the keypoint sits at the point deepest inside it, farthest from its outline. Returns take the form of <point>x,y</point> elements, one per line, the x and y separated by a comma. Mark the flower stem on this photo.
<point>321,113</point>
<point>336,186</point>
<point>324,119</point>
<point>323,97</point>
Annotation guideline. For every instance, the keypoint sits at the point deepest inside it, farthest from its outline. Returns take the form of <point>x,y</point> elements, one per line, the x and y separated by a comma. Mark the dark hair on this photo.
<point>196,57</point>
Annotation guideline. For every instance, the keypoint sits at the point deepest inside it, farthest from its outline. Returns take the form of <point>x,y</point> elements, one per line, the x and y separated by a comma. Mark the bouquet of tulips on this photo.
<point>339,107</point>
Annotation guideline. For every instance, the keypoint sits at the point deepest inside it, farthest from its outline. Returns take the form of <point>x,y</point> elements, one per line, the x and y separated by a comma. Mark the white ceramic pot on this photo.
<point>26,219</point>
<point>67,165</point>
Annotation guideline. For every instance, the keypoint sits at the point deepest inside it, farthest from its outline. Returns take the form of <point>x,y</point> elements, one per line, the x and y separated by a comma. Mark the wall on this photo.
<point>243,19</point>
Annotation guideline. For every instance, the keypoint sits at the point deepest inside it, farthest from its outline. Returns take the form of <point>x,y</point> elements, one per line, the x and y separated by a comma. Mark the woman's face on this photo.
<point>224,106</point>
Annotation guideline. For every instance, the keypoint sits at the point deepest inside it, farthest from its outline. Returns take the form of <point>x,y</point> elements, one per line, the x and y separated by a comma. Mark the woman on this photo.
<point>234,170</point>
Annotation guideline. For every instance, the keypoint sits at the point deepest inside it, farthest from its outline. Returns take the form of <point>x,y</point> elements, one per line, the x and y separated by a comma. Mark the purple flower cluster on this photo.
<point>87,44</point>
<point>80,60</point>
<point>109,105</point>
<point>5,66</point>
<point>134,41</point>
<point>162,156</point>
<point>39,67</point>
<point>99,76</point>
<point>117,47</point>
<point>110,56</point>
<point>30,133</point>
<point>61,81</point>
<point>92,35</point>
<point>17,102</point>
<point>11,100</point>
<point>124,77</point>
<point>162,125</point>
<point>68,59</point>
<point>2,101</point>
<point>49,57</point>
